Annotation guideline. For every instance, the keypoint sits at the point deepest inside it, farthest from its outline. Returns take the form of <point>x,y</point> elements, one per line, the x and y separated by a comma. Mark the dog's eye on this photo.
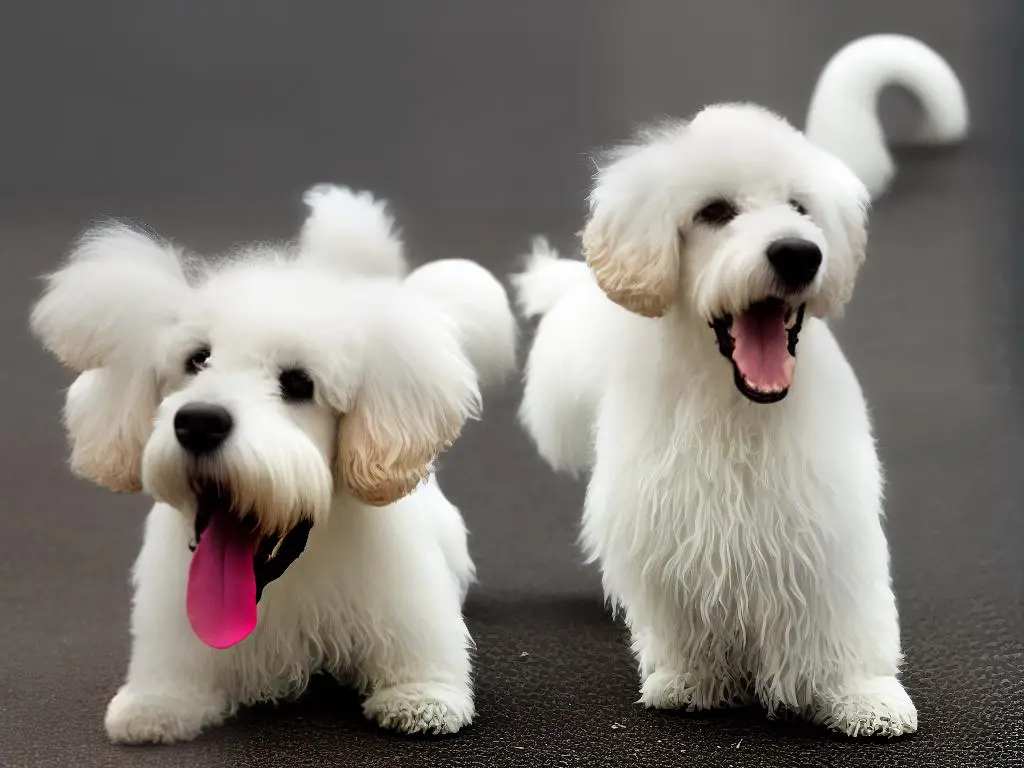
<point>296,385</point>
<point>197,360</point>
<point>717,213</point>
<point>796,206</point>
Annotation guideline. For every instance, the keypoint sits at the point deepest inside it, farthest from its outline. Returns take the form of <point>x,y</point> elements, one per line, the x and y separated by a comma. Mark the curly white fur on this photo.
<point>376,597</point>
<point>743,542</point>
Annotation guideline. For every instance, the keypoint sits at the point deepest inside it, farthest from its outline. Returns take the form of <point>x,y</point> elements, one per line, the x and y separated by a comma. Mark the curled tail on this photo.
<point>843,114</point>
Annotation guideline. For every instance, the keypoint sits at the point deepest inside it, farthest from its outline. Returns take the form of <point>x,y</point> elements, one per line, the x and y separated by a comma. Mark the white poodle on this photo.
<point>735,493</point>
<point>284,408</point>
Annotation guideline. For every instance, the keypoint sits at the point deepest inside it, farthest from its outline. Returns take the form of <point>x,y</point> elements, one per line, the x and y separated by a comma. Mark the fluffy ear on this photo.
<point>116,290</point>
<point>846,225</point>
<point>417,391</point>
<point>109,414</point>
<point>478,304</point>
<point>352,232</point>
<point>631,241</point>
<point>100,315</point>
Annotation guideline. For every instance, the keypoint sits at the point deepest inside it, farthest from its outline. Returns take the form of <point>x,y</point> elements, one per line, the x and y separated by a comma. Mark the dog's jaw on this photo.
<point>761,346</point>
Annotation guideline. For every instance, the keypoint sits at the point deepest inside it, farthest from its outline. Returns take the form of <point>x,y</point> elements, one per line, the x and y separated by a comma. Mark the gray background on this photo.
<point>206,120</point>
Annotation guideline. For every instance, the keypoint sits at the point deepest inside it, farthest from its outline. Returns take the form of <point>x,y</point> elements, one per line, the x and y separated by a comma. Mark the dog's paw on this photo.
<point>670,689</point>
<point>158,718</point>
<point>875,707</point>
<point>427,708</point>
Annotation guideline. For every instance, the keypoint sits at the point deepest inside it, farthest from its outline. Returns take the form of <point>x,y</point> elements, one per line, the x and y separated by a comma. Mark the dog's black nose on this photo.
<point>796,261</point>
<point>202,427</point>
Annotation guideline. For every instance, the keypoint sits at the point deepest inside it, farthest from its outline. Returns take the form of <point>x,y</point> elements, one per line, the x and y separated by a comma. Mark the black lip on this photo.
<point>274,554</point>
<point>727,345</point>
<point>269,566</point>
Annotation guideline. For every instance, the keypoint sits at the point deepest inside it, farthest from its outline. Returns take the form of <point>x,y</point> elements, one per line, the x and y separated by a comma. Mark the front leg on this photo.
<point>171,693</point>
<point>867,706</point>
<point>417,668</point>
<point>839,652</point>
<point>414,663</point>
<point>682,664</point>
<point>854,686</point>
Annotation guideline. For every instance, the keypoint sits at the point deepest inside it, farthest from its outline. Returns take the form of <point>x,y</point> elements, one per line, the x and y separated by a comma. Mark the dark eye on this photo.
<point>296,385</point>
<point>196,361</point>
<point>797,207</point>
<point>717,213</point>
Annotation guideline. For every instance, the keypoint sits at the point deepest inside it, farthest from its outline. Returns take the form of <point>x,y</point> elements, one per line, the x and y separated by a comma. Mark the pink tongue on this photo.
<point>762,347</point>
<point>221,599</point>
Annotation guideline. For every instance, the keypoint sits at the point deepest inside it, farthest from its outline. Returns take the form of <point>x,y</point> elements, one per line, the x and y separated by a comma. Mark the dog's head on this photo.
<point>734,220</point>
<point>251,392</point>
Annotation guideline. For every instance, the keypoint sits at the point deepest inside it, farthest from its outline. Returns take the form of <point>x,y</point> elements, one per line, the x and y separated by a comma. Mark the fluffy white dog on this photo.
<point>735,496</point>
<point>284,408</point>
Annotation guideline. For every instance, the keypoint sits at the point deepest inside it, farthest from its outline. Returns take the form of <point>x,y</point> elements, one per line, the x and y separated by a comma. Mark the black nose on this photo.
<point>202,427</point>
<point>796,261</point>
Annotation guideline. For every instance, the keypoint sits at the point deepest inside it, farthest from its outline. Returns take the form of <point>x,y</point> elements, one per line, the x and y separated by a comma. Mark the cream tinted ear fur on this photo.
<point>100,315</point>
<point>108,414</point>
<point>630,242</point>
<point>417,391</point>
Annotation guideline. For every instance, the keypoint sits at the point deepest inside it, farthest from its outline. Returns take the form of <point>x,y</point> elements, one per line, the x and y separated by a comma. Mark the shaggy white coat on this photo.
<point>397,361</point>
<point>742,542</point>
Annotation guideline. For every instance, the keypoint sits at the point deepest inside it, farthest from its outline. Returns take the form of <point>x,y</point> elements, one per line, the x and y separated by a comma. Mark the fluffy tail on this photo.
<point>479,305</point>
<point>843,115</point>
<point>546,279</point>
<point>565,371</point>
<point>351,231</point>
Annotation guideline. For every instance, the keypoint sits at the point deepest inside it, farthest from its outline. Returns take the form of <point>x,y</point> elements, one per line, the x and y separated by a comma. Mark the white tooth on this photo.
<point>276,549</point>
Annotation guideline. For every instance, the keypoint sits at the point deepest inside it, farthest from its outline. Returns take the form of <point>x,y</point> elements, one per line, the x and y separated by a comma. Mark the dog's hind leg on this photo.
<point>171,690</point>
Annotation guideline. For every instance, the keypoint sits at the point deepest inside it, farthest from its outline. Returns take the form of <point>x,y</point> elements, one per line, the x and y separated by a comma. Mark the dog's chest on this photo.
<point>726,517</point>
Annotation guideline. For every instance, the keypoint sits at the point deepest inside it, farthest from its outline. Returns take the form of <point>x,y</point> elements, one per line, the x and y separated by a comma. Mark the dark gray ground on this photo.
<point>206,120</point>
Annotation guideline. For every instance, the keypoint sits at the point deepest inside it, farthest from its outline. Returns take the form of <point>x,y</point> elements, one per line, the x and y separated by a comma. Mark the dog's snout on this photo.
<point>202,427</point>
<point>796,261</point>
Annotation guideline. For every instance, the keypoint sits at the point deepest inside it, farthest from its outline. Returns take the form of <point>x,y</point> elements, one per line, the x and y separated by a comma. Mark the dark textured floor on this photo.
<point>479,132</point>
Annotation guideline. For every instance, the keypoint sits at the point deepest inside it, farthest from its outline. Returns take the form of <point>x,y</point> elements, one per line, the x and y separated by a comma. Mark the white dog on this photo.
<point>284,408</point>
<point>735,496</point>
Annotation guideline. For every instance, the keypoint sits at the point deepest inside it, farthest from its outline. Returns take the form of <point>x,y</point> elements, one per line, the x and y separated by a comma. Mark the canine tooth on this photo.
<point>276,549</point>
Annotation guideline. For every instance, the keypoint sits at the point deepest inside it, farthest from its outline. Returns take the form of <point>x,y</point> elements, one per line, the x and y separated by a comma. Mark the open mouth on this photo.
<point>760,342</point>
<point>233,562</point>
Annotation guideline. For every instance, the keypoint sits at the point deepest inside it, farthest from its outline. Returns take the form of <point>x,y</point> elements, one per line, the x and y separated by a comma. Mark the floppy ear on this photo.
<point>417,391</point>
<point>109,414</point>
<point>846,225</point>
<point>631,240</point>
<point>100,315</point>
